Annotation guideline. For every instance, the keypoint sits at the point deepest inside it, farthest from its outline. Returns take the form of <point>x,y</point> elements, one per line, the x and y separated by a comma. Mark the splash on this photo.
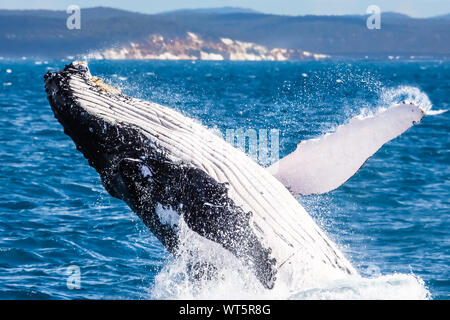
<point>408,94</point>
<point>187,275</point>
<point>435,112</point>
<point>386,287</point>
<point>184,278</point>
<point>397,95</point>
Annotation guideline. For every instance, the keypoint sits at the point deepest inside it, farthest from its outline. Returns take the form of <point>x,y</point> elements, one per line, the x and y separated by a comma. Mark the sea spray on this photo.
<point>231,280</point>
<point>202,269</point>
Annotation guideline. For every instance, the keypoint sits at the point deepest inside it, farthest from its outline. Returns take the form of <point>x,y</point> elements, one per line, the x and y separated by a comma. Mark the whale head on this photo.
<point>126,160</point>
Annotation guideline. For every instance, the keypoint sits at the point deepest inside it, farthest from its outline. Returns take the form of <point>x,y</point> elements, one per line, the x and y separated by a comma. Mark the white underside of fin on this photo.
<point>323,164</point>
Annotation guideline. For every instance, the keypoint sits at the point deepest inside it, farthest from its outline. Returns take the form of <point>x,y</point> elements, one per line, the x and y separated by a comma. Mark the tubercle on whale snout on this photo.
<point>121,153</point>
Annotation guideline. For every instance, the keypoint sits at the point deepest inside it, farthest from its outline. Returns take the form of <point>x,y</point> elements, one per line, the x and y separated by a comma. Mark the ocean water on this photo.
<point>391,219</point>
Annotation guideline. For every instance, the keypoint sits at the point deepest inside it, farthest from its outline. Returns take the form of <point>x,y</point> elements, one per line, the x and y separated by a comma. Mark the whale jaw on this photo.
<point>141,172</point>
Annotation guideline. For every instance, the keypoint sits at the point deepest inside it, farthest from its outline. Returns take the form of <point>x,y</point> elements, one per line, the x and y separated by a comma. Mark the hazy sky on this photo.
<point>415,8</point>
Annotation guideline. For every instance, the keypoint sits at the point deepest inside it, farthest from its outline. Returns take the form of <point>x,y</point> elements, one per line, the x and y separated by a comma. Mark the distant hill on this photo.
<point>223,10</point>
<point>445,16</point>
<point>43,33</point>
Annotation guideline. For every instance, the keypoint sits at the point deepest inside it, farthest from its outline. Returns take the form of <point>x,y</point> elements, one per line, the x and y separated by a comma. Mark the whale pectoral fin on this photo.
<point>323,164</point>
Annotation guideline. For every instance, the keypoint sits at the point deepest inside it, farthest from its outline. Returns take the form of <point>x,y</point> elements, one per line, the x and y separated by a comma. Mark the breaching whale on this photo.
<point>168,167</point>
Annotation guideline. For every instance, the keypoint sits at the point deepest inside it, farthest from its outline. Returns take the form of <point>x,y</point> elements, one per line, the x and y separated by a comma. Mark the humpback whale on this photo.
<point>169,168</point>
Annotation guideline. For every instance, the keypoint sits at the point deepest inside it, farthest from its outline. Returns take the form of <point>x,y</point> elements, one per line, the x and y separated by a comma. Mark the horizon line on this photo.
<point>251,11</point>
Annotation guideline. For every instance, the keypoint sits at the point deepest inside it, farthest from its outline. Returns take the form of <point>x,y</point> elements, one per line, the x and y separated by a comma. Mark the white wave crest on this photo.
<point>409,94</point>
<point>398,95</point>
<point>386,287</point>
<point>406,94</point>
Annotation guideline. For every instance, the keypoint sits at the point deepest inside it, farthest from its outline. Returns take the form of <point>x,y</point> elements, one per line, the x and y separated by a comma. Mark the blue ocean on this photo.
<point>392,219</point>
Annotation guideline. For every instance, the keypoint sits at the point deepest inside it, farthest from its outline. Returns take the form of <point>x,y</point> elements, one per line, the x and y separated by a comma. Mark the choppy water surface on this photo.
<point>391,219</point>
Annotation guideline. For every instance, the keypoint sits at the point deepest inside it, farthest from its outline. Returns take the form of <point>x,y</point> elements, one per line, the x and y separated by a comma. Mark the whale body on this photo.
<point>168,167</point>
